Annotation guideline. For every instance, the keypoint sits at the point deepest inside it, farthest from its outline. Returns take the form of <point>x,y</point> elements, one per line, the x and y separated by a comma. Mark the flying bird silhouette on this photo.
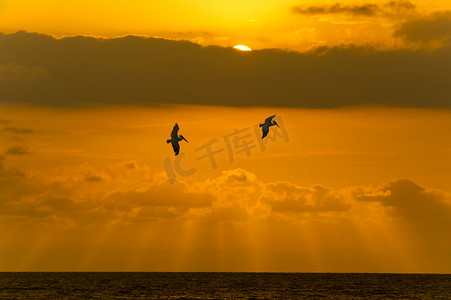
<point>175,138</point>
<point>268,123</point>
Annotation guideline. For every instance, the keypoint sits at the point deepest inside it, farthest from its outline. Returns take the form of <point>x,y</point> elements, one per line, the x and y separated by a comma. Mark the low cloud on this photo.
<point>11,173</point>
<point>130,165</point>
<point>17,150</point>
<point>18,194</point>
<point>18,130</point>
<point>286,197</point>
<point>94,178</point>
<point>161,196</point>
<point>235,196</point>
<point>418,205</point>
<point>237,177</point>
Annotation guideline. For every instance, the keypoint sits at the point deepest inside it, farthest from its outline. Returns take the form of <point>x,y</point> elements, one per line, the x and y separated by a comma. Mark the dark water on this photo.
<point>223,286</point>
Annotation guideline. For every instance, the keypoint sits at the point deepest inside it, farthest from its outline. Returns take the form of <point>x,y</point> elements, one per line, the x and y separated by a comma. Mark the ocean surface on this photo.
<point>117,285</point>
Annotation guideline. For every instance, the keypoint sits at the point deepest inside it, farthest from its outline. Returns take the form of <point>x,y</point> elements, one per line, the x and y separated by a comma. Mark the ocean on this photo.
<point>174,285</point>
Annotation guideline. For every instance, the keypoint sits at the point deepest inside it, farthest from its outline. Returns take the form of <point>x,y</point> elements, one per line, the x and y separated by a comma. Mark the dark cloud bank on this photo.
<point>38,69</point>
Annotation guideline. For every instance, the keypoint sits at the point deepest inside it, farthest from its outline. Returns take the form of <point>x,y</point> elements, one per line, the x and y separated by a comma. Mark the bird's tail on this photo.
<point>168,141</point>
<point>261,125</point>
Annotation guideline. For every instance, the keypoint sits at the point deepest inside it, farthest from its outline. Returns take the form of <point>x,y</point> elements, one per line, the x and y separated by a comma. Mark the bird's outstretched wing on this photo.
<point>268,120</point>
<point>176,147</point>
<point>175,131</point>
<point>265,130</point>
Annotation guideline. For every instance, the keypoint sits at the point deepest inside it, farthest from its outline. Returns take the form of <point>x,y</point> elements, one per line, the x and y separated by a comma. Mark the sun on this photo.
<point>242,48</point>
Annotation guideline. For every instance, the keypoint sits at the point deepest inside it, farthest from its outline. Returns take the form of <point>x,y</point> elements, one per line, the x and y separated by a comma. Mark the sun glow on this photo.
<point>242,48</point>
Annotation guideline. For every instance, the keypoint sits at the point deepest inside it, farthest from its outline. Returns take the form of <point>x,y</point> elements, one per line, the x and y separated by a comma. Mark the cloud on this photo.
<point>7,174</point>
<point>237,177</point>
<point>418,205</point>
<point>435,27</point>
<point>391,9</point>
<point>136,70</point>
<point>286,197</point>
<point>15,72</point>
<point>94,178</point>
<point>15,189</point>
<point>236,196</point>
<point>400,7</point>
<point>70,202</point>
<point>18,130</point>
<point>17,150</point>
<point>161,196</point>
<point>367,9</point>
<point>130,165</point>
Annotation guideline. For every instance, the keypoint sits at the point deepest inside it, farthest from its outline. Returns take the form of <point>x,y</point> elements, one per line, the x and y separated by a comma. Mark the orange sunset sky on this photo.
<point>356,179</point>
